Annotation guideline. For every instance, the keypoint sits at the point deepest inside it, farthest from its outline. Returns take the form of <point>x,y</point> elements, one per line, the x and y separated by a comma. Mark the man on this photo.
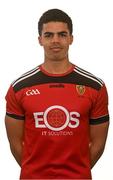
<point>57,114</point>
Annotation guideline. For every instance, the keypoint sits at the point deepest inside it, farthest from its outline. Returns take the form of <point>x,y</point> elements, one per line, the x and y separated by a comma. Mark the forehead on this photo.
<point>55,27</point>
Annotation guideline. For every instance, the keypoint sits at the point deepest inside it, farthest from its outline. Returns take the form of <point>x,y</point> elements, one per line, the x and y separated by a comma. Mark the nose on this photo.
<point>55,38</point>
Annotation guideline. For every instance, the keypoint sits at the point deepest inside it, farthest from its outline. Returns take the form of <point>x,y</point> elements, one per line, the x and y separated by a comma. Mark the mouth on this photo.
<point>56,48</point>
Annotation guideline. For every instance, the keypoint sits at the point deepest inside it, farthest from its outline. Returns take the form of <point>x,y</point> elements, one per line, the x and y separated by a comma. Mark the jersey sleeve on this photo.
<point>13,108</point>
<point>99,112</point>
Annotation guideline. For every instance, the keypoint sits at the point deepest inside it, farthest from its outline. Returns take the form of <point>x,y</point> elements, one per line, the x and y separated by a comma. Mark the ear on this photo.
<point>71,39</point>
<point>40,40</point>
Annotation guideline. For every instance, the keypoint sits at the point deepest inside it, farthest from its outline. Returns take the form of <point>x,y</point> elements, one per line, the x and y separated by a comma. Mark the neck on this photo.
<point>56,67</point>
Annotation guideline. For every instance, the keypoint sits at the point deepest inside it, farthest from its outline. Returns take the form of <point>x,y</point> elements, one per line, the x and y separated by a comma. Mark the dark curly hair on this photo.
<point>55,15</point>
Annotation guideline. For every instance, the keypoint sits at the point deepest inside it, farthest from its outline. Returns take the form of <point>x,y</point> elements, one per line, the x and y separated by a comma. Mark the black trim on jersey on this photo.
<point>40,78</point>
<point>15,116</point>
<point>25,74</point>
<point>89,74</point>
<point>99,120</point>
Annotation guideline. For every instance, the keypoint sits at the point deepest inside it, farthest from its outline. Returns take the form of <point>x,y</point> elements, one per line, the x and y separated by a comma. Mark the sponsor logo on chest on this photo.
<point>56,118</point>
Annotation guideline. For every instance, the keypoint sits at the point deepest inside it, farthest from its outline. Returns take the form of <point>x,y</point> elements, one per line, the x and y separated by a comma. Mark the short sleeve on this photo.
<point>13,108</point>
<point>99,112</point>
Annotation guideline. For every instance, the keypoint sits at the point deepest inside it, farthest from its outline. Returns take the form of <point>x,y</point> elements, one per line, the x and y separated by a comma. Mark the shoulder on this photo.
<point>26,79</point>
<point>88,79</point>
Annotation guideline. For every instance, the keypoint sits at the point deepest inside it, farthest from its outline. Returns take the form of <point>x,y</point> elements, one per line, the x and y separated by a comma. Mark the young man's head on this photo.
<point>55,15</point>
<point>55,34</point>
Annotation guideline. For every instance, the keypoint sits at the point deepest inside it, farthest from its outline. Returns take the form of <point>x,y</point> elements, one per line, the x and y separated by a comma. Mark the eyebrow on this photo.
<point>61,32</point>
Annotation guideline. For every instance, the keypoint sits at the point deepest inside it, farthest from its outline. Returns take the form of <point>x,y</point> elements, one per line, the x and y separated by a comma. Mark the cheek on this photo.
<point>66,46</point>
<point>66,42</point>
<point>43,42</point>
<point>46,48</point>
<point>45,45</point>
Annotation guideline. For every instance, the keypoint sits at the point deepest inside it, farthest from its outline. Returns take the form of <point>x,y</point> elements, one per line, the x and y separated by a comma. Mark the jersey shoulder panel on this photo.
<point>88,79</point>
<point>26,80</point>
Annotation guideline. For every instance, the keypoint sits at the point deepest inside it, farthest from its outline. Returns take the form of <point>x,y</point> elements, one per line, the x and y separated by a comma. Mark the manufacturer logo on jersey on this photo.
<point>56,118</point>
<point>32,92</point>
<point>60,85</point>
<point>80,89</point>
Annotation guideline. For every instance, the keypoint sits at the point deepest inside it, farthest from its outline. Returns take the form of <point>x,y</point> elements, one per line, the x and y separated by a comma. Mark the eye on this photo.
<point>48,35</point>
<point>62,34</point>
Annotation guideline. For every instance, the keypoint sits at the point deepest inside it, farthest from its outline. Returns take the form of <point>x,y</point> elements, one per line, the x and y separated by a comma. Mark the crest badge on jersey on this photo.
<point>80,89</point>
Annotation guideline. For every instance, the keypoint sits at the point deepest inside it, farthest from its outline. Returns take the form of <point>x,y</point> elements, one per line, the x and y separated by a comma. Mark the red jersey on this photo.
<point>57,110</point>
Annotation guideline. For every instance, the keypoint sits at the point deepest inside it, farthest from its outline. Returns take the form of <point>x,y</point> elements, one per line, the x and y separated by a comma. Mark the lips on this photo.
<point>56,48</point>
